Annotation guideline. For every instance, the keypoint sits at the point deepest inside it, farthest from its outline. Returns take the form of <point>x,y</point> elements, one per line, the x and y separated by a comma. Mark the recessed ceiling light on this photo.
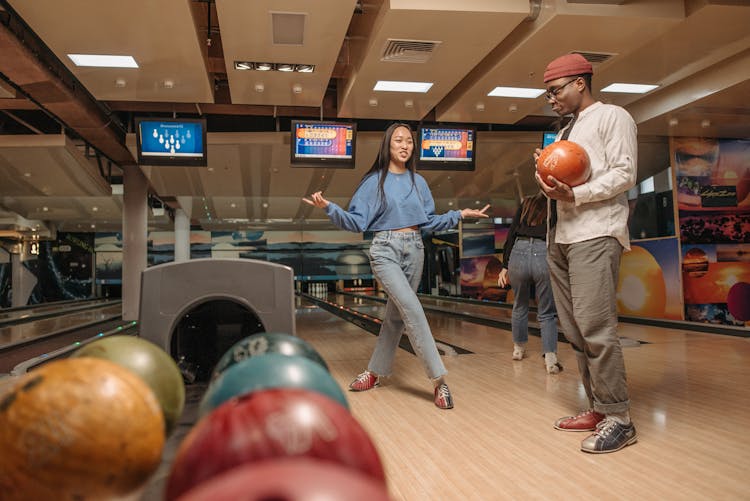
<point>520,92</point>
<point>286,67</point>
<point>103,61</point>
<point>629,88</point>
<point>394,86</point>
<point>243,65</point>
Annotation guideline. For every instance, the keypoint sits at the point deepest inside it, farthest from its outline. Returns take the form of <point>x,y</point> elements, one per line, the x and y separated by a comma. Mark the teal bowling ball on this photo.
<point>265,343</point>
<point>269,372</point>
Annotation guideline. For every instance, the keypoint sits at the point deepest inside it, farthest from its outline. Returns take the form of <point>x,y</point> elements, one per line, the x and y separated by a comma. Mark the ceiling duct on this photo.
<point>595,57</point>
<point>408,51</point>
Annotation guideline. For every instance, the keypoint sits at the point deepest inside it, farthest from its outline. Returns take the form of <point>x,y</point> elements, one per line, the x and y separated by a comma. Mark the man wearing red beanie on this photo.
<point>585,246</point>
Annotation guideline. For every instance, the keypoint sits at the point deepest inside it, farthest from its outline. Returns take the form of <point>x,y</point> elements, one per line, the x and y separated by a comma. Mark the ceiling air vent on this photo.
<point>288,28</point>
<point>595,57</point>
<point>408,51</point>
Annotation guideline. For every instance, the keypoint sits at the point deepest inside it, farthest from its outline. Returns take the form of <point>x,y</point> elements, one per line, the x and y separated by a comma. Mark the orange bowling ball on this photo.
<point>566,161</point>
<point>78,429</point>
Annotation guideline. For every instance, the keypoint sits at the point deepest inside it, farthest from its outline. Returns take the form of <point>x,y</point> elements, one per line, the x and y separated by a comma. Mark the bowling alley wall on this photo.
<point>690,240</point>
<point>689,258</point>
<point>712,189</point>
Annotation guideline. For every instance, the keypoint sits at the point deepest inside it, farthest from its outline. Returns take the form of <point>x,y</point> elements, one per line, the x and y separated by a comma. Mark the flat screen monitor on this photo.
<point>549,138</point>
<point>323,144</point>
<point>446,147</point>
<point>171,142</point>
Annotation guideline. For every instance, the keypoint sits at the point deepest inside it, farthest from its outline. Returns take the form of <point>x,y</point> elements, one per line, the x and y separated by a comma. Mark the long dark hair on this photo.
<point>380,165</point>
<point>534,209</point>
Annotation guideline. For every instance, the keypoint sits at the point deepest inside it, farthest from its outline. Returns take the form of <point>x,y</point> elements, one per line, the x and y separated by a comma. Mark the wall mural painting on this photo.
<point>713,194</point>
<point>479,279</point>
<point>649,280</point>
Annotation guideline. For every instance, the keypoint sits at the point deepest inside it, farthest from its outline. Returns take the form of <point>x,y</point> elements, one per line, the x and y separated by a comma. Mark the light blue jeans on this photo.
<point>528,265</point>
<point>396,259</point>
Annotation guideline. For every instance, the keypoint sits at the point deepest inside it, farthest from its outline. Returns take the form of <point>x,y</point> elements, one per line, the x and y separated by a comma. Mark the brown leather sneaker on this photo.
<point>585,421</point>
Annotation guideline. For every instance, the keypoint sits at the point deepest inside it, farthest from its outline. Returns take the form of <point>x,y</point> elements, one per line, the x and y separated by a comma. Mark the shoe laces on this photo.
<point>586,413</point>
<point>605,427</point>
<point>365,377</point>
<point>443,392</point>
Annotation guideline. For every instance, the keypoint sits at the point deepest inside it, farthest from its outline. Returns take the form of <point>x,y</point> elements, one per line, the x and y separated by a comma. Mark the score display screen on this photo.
<point>549,138</point>
<point>446,148</point>
<point>171,142</point>
<point>323,142</point>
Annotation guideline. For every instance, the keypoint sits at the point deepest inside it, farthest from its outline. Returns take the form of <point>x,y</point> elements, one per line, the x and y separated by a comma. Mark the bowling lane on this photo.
<point>29,313</point>
<point>631,330</point>
<point>452,328</point>
<point>14,335</point>
<point>12,356</point>
<point>490,312</point>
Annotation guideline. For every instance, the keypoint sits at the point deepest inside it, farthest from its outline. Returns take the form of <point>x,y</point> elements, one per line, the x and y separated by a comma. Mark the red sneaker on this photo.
<point>585,421</point>
<point>443,398</point>
<point>365,381</point>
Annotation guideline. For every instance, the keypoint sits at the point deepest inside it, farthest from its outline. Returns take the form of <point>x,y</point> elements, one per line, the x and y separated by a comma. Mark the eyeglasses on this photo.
<point>553,93</point>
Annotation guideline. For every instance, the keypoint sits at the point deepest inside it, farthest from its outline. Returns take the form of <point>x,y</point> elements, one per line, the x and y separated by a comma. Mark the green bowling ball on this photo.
<point>265,343</point>
<point>268,372</point>
<point>148,361</point>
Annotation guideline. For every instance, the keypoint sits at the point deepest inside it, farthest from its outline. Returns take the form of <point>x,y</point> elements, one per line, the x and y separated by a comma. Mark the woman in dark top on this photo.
<point>524,264</point>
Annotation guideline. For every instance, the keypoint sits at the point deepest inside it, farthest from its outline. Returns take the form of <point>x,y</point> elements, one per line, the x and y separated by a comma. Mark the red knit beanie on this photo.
<point>567,66</point>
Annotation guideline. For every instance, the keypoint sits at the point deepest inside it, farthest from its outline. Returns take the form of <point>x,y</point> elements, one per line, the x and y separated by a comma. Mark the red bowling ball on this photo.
<point>269,425</point>
<point>291,479</point>
<point>566,161</point>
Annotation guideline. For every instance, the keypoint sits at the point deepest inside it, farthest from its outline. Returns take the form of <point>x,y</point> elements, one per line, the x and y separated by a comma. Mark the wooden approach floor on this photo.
<point>690,395</point>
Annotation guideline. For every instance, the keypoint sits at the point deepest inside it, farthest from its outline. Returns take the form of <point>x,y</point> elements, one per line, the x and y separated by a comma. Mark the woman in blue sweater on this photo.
<point>395,202</point>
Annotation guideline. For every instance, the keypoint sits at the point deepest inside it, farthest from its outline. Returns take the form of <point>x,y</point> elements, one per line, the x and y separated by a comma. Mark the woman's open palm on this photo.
<point>474,213</point>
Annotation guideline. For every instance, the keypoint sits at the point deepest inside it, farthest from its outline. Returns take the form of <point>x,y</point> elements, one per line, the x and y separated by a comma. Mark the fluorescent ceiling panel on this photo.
<point>522,92</point>
<point>393,86</point>
<point>103,61</point>
<point>626,88</point>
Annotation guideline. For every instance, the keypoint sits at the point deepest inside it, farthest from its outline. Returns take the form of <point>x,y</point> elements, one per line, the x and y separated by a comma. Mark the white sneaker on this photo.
<point>519,351</point>
<point>553,366</point>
